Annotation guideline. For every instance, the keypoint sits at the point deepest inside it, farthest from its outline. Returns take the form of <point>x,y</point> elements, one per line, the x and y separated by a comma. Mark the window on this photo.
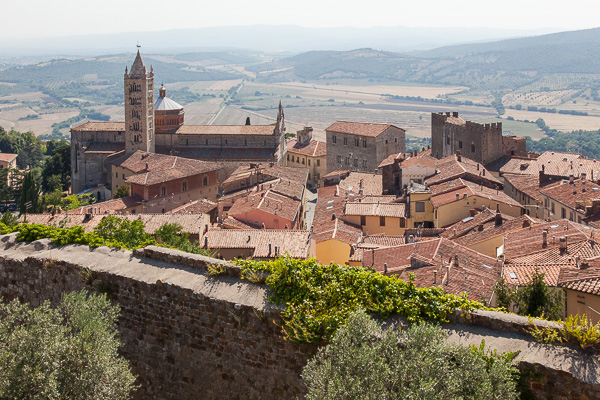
<point>207,142</point>
<point>347,160</point>
<point>552,207</point>
<point>460,144</point>
<point>357,142</point>
<point>447,139</point>
<point>402,223</point>
<point>364,163</point>
<point>318,163</point>
<point>563,213</point>
<point>472,148</point>
<point>123,176</point>
<point>339,158</point>
<point>334,139</point>
<point>381,221</point>
<point>205,181</point>
<point>225,141</point>
<point>571,216</point>
<point>345,141</point>
<point>419,206</point>
<point>386,141</point>
<point>363,220</point>
<point>288,157</point>
<point>163,191</point>
<point>309,162</point>
<point>309,176</point>
<point>356,162</point>
<point>395,140</point>
<point>184,186</point>
<point>364,142</point>
<point>116,174</point>
<point>303,161</point>
<point>293,159</point>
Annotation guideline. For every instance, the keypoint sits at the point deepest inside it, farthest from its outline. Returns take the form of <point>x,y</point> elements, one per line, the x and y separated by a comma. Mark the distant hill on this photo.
<point>507,64</point>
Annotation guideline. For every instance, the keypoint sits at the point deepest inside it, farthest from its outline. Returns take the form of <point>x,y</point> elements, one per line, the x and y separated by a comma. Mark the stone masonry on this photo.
<point>188,335</point>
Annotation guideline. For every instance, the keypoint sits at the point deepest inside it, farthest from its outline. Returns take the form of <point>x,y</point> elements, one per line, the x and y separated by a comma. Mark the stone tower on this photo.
<point>139,107</point>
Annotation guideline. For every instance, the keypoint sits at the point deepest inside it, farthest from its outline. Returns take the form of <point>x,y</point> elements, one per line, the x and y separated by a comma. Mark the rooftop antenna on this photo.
<point>138,44</point>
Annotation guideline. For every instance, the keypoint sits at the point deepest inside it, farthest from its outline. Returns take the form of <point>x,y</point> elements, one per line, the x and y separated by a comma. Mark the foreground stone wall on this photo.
<point>192,336</point>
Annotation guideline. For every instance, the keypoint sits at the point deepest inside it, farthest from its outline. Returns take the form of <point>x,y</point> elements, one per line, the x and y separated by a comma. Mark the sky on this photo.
<point>43,18</point>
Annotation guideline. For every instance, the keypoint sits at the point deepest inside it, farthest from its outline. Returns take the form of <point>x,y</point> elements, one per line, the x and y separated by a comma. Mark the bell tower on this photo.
<point>139,107</point>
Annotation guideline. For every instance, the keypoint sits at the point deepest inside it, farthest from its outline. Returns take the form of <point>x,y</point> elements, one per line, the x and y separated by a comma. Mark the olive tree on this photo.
<point>67,352</point>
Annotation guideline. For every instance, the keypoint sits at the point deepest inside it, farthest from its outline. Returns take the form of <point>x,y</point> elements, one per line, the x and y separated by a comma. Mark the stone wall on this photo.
<point>189,335</point>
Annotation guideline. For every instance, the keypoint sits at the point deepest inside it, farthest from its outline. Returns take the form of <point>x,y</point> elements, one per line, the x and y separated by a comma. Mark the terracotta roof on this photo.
<point>475,273</point>
<point>190,223</point>
<point>313,148</point>
<point>528,184</point>
<point>8,157</point>
<point>450,168</point>
<point>491,230</point>
<point>327,225</point>
<point>397,210</point>
<point>360,128</point>
<point>465,225</point>
<point>582,250</point>
<point>381,241</point>
<point>472,190</point>
<point>286,180</point>
<point>520,274</point>
<point>571,194</point>
<point>232,223</point>
<point>389,160</point>
<point>296,243</point>
<point>582,280</point>
<point>555,163</point>
<point>202,206</point>
<point>422,160</point>
<point>267,201</point>
<point>371,184</point>
<point>110,206</point>
<point>154,168</point>
<point>266,130</point>
<point>92,126</point>
<point>528,241</point>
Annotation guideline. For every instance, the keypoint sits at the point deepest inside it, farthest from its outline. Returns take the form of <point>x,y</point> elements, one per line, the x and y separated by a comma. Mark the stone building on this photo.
<point>159,127</point>
<point>483,143</point>
<point>8,160</point>
<point>361,146</point>
<point>304,152</point>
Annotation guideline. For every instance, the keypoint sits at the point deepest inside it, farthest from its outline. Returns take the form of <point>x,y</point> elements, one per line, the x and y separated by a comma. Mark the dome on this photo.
<point>166,104</point>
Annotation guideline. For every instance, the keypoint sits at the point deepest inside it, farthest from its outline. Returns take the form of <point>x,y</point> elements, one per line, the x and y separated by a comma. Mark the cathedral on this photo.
<point>158,127</point>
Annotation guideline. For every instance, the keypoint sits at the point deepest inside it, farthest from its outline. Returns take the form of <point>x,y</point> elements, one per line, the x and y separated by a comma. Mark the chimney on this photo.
<point>498,219</point>
<point>583,175</point>
<point>473,212</point>
<point>455,114</point>
<point>544,238</point>
<point>571,178</point>
<point>205,242</point>
<point>480,227</point>
<point>434,277</point>
<point>562,244</point>
<point>583,186</point>
<point>457,196</point>
<point>458,156</point>
<point>385,268</point>
<point>332,216</point>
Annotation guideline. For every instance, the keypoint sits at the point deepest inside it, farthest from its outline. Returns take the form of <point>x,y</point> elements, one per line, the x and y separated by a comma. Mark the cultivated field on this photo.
<point>562,122</point>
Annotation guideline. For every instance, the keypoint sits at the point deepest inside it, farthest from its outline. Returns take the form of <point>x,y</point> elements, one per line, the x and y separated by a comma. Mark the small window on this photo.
<point>116,174</point>
<point>293,159</point>
<point>225,141</point>
<point>419,206</point>
<point>363,220</point>
<point>472,148</point>
<point>381,221</point>
<point>303,161</point>
<point>357,142</point>
<point>309,162</point>
<point>245,142</point>
<point>460,144</point>
<point>364,143</point>
<point>334,139</point>
<point>339,158</point>
<point>364,163</point>
<point>395,140</point>
<point>345,141</point>
<point>184,186</point>
<point>563,213</point>
<point>347,160</point>
<point>402,223</point>
<point>205,181</point>
<point>552,207</point>
<point>309,176</point>
<point>123,176</point>
<point>163,191</point>
<point>207,142</point>
<point>447,139</point>
<point>318,163</point>
<point>356,162</point>
<point>288,157</point>
<point>386,141</point>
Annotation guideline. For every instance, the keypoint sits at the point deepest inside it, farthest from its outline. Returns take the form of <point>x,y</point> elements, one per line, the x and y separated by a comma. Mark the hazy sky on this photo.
<point>35,18</point>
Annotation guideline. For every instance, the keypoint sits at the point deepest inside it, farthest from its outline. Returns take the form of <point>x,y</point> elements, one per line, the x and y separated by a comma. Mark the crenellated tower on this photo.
<point>139,107</point>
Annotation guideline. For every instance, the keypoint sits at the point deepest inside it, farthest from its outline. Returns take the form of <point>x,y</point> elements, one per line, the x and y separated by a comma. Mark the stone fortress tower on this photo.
<point>139,107</point>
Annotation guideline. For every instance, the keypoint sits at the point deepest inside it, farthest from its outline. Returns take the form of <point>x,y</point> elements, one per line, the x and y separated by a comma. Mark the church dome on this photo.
<point>163,103</point>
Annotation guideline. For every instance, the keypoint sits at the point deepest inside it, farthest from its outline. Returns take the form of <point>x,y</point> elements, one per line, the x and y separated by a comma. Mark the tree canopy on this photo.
<point>68,352</point>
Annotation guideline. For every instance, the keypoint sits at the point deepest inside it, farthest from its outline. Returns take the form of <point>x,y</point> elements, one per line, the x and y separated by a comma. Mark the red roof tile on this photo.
<point>313,148</point>
<point>8,157</point>
<point>327,225</point>
<point>360,128</point>
<point>450,168</point>
<point>295,243</point>
<point>92,126</point>
<point>267,130</point>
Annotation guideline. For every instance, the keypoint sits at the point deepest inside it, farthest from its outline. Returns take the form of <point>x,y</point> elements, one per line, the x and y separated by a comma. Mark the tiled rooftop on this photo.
<point>329,207</point>
<point>8,157</point>
<point>371,184</point>
<point>154,168</point>
<point>92,126</point>
<point>266,201</point>
<point>450,168</point>
<point>582,280</point>
<point>266,130</point>
<point>520,274</point>
<point>581,191</point>
<point>313,148</point>
<point>469,190</point>
<point>397,210</point>
<point>528,184</point>
<point>359,128</point>
<point>555,163</point>
<point>295,243</point>
<point>201,206</point>
<point>491,230</point>
<point>110,206</point>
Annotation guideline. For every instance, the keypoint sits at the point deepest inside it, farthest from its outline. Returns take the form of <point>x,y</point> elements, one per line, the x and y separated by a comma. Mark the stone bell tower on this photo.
<point>139,107</point>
